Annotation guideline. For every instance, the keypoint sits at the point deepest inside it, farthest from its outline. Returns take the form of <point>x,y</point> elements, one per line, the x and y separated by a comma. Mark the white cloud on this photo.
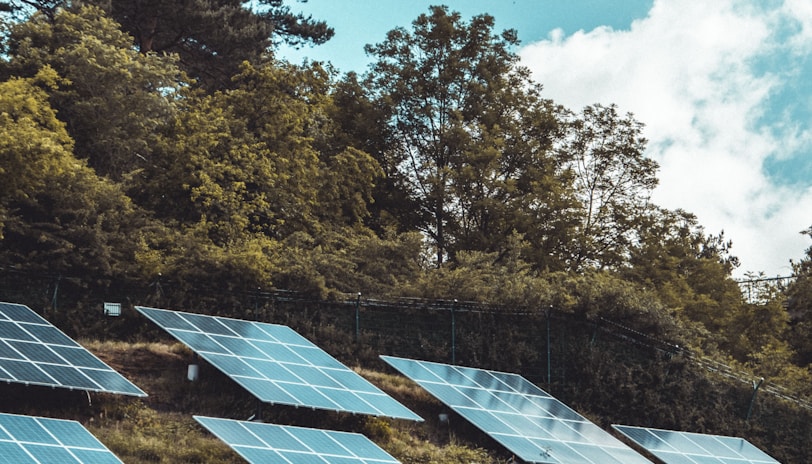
<point>690,72</point>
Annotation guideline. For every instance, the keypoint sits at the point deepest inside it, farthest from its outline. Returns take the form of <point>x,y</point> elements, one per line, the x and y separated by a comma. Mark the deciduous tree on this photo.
<point>113,100</point>
<point>58,215</point>
<point>613,181</point>
<point>470,133</point>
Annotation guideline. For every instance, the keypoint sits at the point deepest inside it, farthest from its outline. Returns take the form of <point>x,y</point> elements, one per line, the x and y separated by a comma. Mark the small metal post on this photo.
<point>358,318</point>
<point>594,332</point>
<point>258,416</point>
<point>453,334</point>
<point>753,398</point>
<point>549,367</point>
<point>55,297</point>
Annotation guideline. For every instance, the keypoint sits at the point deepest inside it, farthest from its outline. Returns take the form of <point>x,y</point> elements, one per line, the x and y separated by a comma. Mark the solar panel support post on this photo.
<point>193,368</point>
<point>756,384</point>
<point>258,415</point>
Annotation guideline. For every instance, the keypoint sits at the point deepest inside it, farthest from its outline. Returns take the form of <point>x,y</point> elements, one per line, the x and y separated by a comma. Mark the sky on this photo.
<point>723,87</point>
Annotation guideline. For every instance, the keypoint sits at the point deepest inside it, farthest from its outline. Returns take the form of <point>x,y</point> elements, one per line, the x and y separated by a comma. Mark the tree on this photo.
<point>58,215</point>
<point>503,279</point>
<point>32,142</point>
<point>260,158</point>
<point>213,38</point>
<point>264,164</point>
<point>613,182</point>
<point>239,162</point>
<point>470,134</point>
<point>20,9</point>
<point>691,273</point>
<point>361,123</point>
<point>113,100</point>
<point>799,307</point>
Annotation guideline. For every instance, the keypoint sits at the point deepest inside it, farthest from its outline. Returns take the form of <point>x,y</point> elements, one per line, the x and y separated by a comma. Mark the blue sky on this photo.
<point>723,87</point>
<point>361,22</point>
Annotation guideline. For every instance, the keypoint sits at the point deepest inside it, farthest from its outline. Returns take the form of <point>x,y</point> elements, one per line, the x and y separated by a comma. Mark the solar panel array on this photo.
<point>39,440</point>
<point>263,443</point>
<point>276,364</point>
<point>34,352</point>
<point>695,448</point>
<point>522,417</point>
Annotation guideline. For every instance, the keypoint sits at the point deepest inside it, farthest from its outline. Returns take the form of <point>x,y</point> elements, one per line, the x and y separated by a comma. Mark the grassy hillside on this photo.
<point>609,374</point>
<point>160,428</point>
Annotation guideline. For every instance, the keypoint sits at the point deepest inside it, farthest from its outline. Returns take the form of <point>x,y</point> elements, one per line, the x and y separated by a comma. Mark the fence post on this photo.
<point>358,318</point>
<point>549,367</point>
<point>256,304</point>
<point>453,333</point>
<point>55,297</point>
<point>753,398</point>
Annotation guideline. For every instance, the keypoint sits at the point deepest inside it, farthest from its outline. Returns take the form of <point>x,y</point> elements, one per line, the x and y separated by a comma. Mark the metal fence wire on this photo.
<point>539,343</point>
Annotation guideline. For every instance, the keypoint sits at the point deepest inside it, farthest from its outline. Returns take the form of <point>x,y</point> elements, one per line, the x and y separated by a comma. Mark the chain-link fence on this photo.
<point>534,341</point>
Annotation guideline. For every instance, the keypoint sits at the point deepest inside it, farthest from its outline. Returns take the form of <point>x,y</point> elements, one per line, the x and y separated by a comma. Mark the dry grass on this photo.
<point>160,428</point>
<point>397,386</point>
<point>138,434</point>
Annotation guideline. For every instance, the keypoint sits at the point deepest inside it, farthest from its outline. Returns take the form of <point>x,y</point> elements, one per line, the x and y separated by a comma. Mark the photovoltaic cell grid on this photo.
<point>695,448</point>
<point>34,352</point>
<point>263,443</point>
<point>276,364</point>
<point>526,420</point>
<point>39,440</point>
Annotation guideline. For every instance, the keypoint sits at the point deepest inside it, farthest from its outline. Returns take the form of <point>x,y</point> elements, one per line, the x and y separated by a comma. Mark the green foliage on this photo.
<point>113,99</point>
<point>378,429</point>
<point>213,38</point>
<point>361,123</point>
<point>600,294</point>
<point>189,259</point>
<point>59,215</point>
<point>799,307</point>
<point>756,330</point>
<point>33,143</point>
<point>494,278</point>
<point>347,180</point>
<point>468,134</point>
<point>613,181</point>
<point>123,176</point>
<point>348,260</point>
<point>241,162</point>
<point>690,273</point>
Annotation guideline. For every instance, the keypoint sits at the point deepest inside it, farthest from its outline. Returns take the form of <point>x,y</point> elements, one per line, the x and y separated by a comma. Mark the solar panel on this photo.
<point>34,352</point>
<point>522,417</point>
<point>261,443</point>
<point>695,448</point>
<point>39,440</point>
<point>276,364</point>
